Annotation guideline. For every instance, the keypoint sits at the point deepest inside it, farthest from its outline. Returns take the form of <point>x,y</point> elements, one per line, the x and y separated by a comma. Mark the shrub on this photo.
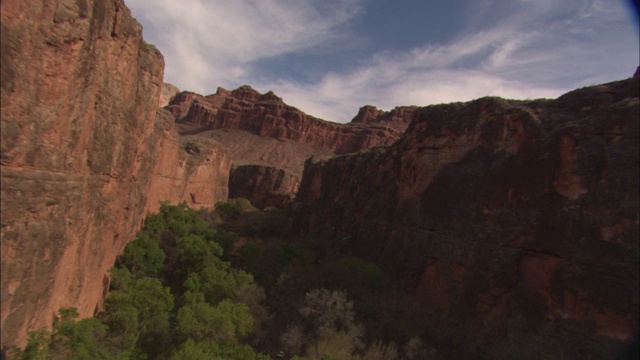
<point>232,208</point>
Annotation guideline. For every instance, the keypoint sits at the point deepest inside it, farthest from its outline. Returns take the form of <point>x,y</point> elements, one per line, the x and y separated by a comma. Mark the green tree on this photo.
<point>145,305</point>
<point>195,252</point>
<point>121,278</point>
<point>233,208</point>
<point>121,317</point>
<point>218,281</point>
<point>210,350</point>
<point>143,256</point>
<point>227,322</point>
<point>77,339</point>
<point>37,347</point>
<point>192,350</point>
<point>68,339</point>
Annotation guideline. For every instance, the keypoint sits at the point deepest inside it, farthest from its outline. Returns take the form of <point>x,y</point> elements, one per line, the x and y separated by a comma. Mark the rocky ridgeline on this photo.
<point>267,115</point>
<point>223,114</point>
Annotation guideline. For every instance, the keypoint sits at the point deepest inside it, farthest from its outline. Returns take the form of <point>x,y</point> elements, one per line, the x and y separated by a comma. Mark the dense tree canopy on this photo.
<point>174,260</point>
<point>175,294</point>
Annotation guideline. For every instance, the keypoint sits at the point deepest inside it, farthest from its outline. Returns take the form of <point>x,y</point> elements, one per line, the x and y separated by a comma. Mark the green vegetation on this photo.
<point>171,296</point>
<point>233,208</point>
<point>233,284</point>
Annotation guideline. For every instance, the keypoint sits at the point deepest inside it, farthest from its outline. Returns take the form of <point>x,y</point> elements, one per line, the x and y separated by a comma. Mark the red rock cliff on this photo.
<point>79,91</point>
<point>191,169</point>
<point>267,115</point>
<point>513,219</point>
<point>267,139</point>
<point>263,185</point>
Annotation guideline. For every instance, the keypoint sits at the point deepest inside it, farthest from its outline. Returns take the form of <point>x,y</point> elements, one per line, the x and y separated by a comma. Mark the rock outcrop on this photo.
<point>79,91</point>
<point>167,93</point>
<point>398,118</point>
<point>513,219</point>
<point>261,130</point>
<point>245,148</point>
<point>264,186</point>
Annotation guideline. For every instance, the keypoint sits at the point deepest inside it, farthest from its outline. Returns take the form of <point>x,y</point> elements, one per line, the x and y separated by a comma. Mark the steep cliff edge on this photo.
<point>510,219</point>
<point>80,89</point>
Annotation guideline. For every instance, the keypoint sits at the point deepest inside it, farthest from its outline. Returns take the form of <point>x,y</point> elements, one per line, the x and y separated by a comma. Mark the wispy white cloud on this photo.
<point>527,55</point>
<point>207,43</point>
<point>534,49</point>
<point>423,76</point>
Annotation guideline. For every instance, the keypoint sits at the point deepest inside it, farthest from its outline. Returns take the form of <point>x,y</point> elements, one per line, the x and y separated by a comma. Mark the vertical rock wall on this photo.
<point>79,91</point>
<point>263,185</point>
<point>189,169</point>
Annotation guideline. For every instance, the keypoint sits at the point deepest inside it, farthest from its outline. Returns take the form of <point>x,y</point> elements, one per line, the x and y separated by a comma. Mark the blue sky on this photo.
<point>329,57</point>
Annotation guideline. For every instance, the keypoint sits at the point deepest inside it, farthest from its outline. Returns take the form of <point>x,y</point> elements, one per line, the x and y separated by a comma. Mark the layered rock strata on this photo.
<point>504,217</point>
<point>267,115</point>
<point>189,169</point>
<point>261,130</point>
<point>79,91</point>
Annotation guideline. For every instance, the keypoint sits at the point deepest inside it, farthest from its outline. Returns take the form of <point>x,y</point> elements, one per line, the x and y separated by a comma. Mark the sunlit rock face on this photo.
<point>505,217</point>
<point>79,91</point>
<point>189,169</point>
<point>268,140</point>
<point>267,115</point>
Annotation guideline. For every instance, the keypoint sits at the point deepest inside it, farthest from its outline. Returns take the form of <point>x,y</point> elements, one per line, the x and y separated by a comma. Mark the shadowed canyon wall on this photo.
<point>264,185</point>
<point>504,217</point>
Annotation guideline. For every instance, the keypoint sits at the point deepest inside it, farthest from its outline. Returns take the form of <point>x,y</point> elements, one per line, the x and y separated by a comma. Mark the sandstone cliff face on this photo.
<point>510,219</point>
<point>263,185</point>
<point>79,92</point>
<point>189,168</point>
<point>245,148</point>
